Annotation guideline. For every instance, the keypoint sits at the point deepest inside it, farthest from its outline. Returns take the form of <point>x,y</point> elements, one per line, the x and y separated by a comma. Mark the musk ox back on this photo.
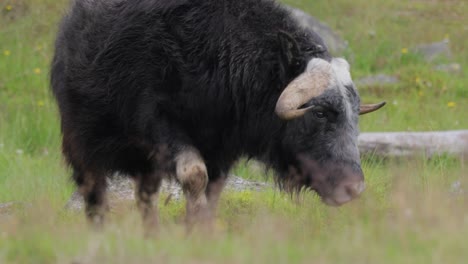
<point>182,89</point>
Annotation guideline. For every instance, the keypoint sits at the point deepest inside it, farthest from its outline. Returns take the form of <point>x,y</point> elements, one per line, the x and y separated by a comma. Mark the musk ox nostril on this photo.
<point>345,193</point>
<point>354,189</point>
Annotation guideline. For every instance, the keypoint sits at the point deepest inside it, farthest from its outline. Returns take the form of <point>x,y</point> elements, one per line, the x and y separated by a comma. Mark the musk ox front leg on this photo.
<point>213,192</point>
<point>192,174</point>
<point>92,186</point>
<point>146,195</point>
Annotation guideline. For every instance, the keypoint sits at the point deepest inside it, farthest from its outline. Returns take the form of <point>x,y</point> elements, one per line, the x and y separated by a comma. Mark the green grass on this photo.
<point>407,214</point>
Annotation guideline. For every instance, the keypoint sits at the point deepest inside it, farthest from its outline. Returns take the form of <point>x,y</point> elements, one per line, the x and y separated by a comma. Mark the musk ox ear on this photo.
<point>289,48</point>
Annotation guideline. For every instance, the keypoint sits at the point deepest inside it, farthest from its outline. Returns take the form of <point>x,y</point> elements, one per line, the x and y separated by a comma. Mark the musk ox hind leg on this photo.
<point>92,186</point>
<point>146,196</point>
<point>192,174</point>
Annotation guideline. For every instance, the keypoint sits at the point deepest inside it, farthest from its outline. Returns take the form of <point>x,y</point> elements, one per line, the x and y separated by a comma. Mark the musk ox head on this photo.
<point>321,107</point>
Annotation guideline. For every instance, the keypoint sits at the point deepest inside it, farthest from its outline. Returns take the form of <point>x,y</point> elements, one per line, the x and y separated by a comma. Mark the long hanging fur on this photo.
<point>137,80</point>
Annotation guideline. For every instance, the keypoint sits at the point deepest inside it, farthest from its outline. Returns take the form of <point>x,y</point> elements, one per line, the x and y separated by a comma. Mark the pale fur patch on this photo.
<point>343,78</point>
<point>189,163</point>
<point>339,70</point>
<point>192,174</point>
<point>317,63</point>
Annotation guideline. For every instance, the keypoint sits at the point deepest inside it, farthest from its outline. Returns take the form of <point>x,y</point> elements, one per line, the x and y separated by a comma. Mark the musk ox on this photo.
<point>181,89</point>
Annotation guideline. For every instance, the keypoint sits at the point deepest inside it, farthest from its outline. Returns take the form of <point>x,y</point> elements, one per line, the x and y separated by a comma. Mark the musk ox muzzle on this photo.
<point>336,182</point>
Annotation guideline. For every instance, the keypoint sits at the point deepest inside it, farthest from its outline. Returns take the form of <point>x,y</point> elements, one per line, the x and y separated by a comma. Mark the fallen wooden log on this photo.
<point>414,143</point>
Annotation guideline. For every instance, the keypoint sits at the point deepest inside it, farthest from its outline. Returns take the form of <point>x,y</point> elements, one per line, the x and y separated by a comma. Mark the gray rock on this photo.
<point>434,50</point>
<point>379,79</point>
<point>449,68</point>
<point>120,189</point>
<point>457,188</point>
<point>235,183</point>
<point>335,44</point>
<point>5,208</point>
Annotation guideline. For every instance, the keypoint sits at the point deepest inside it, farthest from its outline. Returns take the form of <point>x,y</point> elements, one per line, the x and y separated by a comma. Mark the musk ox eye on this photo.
<point>319,114</point>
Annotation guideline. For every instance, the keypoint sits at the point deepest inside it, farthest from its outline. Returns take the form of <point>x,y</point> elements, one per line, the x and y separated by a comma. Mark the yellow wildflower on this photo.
<point>37,70</point>
<point>417,80</point>
<point>8,8</point>
<point>40,103</point>
<point>404,50</point>
<point>6,53</point>
<point>451,104</point>
<point>420,93</point>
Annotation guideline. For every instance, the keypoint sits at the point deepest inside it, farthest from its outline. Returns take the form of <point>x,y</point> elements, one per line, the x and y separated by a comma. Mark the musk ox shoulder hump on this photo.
<point>96,5</point>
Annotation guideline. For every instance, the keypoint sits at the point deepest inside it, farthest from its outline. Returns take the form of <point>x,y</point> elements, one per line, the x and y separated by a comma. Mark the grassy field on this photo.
<point>408,213</point>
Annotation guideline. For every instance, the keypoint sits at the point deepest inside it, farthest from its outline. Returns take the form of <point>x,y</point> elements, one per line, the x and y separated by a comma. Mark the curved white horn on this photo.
<point>312,83</point>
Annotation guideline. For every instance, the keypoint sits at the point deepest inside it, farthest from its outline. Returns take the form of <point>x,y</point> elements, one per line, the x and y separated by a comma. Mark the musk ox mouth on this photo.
<point>344,195</point>
<point>335,182</point>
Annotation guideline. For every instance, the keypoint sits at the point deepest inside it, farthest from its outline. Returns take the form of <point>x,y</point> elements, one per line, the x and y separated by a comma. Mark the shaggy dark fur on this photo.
<point>137,81</point>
